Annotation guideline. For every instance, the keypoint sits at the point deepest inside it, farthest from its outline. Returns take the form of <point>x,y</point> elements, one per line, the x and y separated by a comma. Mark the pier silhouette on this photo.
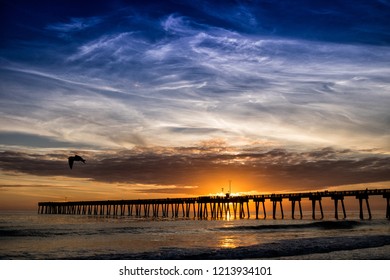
<point>204,207</point>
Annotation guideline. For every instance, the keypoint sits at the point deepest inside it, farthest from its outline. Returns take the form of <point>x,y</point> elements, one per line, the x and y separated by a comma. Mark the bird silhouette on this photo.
<point>75,158</point>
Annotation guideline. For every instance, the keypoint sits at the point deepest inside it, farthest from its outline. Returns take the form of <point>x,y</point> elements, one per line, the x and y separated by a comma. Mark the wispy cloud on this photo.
<point>215,80</point>
<point>74,25</point>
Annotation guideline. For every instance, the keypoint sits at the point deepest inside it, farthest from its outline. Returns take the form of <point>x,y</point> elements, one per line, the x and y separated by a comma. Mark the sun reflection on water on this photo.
<point>228,218</point>
<point>228,242</point>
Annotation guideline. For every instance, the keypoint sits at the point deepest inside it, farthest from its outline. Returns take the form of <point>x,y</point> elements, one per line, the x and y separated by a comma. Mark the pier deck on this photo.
<point>214,206</point>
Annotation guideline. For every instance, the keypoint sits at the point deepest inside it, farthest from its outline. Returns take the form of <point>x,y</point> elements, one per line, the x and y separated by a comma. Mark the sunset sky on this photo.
<point>176,98</point>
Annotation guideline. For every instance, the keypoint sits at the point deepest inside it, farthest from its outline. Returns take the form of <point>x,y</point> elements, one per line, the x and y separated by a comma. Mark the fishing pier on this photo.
<point>215,207</point>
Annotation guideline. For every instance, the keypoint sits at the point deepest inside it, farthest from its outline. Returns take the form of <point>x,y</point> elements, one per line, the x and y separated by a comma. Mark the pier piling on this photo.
<point>313,199</point>
<point>387,196</point>
<point>293,200</point>
<point>257,206</point>
<point>275,200</point>
<point>336,199</point>
<point>364,196</point>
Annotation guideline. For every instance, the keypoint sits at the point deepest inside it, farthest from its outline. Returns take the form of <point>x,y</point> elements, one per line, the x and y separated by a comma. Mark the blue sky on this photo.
<point>124,79</point>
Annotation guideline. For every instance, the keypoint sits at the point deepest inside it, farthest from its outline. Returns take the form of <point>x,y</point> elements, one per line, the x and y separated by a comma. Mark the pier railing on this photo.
<point>214,206</point>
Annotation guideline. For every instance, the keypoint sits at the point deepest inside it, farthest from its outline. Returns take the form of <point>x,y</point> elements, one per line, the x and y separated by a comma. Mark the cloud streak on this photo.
<point>226,80</point>
<point>74,25</point>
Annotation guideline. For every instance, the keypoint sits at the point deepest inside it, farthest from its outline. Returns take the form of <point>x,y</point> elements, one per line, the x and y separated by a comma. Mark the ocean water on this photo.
<point>27,235</point>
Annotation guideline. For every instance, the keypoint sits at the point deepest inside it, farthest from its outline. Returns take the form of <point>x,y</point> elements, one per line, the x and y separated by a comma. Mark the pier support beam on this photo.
<point>155,208</point>
<point>188,208</point>
<point>242,211</point>
<point>275,200</point>
<point>293,200</point>
<point>227,209</point>
<point>313,199</point>
<point>364,196</point>
<point>336,199</point>
<point>165,209</point>
<point>387,196</point>
<point>257,206</point>
<point>202,210</point>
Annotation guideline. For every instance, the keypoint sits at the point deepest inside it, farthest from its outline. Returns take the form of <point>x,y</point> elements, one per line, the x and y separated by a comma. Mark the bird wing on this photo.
<point>79,158</point>
<point>70,160</point>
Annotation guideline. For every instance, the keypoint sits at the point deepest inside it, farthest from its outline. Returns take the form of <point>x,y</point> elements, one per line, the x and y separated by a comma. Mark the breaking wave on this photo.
<point>319,225</point>
<point>283,248</point>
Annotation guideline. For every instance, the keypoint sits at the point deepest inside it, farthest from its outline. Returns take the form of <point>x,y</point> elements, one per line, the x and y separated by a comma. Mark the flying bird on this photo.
<point>75,158</point>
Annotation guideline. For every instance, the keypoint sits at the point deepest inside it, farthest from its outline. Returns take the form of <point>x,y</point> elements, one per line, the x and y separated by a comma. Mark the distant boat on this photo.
<point>73,159</point>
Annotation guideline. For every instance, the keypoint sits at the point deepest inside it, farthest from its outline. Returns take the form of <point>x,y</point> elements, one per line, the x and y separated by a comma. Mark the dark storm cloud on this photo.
<point>186,167</point>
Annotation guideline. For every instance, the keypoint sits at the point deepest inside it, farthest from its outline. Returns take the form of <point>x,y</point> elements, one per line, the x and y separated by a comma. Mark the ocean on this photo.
<point>32,236</point>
